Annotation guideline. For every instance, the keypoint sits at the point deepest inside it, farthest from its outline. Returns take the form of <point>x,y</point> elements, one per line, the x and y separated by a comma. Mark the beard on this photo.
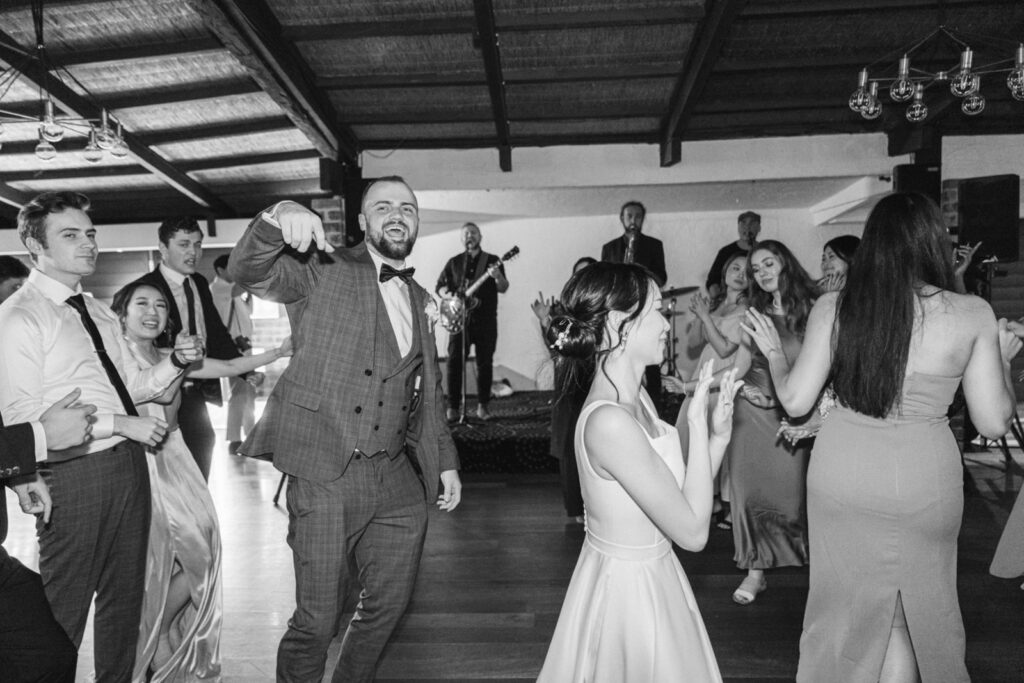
<point>389,248</point>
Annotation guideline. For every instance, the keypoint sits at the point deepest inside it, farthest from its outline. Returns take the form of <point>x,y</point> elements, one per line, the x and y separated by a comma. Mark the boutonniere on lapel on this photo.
<point>431,310</point>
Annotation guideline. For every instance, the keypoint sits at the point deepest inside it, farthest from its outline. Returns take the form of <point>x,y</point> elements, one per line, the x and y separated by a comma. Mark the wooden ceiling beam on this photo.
<point>700,61</point>
<point>407,118</point>
<point>818,8</point>
<point>517,141</point>
<point>249,29</point>
<point>547,21</point>
<point>135,169</point>
<point>127,53</point>
<point>491,54</point>
<point>11,197</point>
<point>512,77</point>
<point>72,102</point>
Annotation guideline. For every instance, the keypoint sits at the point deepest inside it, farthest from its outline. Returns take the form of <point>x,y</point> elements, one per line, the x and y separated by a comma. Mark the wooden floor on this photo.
<point>495,571</point>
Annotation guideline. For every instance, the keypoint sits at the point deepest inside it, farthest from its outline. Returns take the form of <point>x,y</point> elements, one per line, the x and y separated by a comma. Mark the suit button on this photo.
<point>359,409</point>
<point>403,407</point>
<point>399,431</point>
<point>367,372</point>
<point>376,427</point>
<point>357,456</point>
<point>380,404</point>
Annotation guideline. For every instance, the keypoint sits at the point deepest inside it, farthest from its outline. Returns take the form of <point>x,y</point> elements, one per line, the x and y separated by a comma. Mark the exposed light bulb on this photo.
<point>51,130</point>
<point>1018,93</point>
<point>902,89</point>
<point>120,149</point>
<point>861,97</point>
<point>105,136</point>
<point>1015,79</point>
<point>874,108</point>
<point>965,82</point>
<point>93,154</point>
<point>917,111</point>
<point>973,105</point>
<point>44,150</point>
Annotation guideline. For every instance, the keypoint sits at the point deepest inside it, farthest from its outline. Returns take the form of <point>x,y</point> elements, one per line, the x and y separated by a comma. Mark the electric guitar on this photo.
<point>454,308</point>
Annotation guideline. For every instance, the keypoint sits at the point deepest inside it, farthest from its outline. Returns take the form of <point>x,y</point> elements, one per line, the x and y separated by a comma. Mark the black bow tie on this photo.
<point>387,272</point>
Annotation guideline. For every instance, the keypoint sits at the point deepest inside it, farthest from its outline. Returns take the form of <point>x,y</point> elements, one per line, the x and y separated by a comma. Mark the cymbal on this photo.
<point>679,291</point>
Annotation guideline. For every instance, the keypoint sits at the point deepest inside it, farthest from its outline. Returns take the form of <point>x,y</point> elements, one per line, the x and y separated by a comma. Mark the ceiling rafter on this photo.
<point>11,197</point>
<point>74,103</point>
<point>269,124</point>
<point>698,66</point>
<point>213,163</point>
<point>512,77</point>
<point>610,18</point>
<point>491,54</point>
<point>127,53</point>
<point>249,29</point>
<point>797,8</point>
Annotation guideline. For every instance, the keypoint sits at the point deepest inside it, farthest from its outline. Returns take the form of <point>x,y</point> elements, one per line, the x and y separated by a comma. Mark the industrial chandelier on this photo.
<point>909,82</point>
<point>103,135</point>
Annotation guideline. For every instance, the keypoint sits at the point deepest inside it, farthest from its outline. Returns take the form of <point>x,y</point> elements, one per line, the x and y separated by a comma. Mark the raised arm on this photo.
<point>262,263</point>
<point>799,386</point>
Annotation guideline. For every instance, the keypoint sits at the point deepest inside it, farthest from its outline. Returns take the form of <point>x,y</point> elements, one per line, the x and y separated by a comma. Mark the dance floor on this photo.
<point>494,573</point>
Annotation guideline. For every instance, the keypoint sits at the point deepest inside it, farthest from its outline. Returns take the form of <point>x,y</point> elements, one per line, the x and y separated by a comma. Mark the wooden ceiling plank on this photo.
<point>547,21</point>
<point>249,29</point>
<point>213,163</point>
<point>818,8</point>
<point>710,37</point>
<point>127,53</point>
<point>517,141</point>
<point>512,77</point>
<point>268,124</point>
<point>491,54</point>
<point>71,101</point>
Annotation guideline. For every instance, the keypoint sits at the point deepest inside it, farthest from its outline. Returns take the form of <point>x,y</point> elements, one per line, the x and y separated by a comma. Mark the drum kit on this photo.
<point>669,296</point>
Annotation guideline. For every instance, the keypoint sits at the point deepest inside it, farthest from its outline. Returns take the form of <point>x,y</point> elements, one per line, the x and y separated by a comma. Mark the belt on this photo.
<point>358,454</point>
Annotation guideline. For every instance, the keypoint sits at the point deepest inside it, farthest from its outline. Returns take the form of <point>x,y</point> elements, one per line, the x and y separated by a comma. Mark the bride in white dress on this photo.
<point>629,614</point>
<point>179,637</point>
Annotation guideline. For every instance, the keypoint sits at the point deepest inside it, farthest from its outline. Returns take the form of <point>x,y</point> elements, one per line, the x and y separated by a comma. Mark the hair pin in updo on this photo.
<point>563,337</point>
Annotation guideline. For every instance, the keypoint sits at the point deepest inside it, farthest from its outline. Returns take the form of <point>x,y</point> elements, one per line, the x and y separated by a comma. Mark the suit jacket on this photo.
<point>219,343</point>
<point>17,458</point>
<point>309,425</point>
<point>650,253</point>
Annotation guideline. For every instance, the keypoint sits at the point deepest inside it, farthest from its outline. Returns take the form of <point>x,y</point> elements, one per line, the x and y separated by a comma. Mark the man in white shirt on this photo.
<point>190,308</point>
<point>234,306</point>
<point>52,340</point>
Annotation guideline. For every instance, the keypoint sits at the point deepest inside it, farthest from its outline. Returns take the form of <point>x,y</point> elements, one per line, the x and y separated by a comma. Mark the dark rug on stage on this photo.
<point>517,437</point>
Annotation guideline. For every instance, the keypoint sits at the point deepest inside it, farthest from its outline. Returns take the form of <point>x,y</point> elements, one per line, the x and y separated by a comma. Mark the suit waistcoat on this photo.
<point>390,389</point>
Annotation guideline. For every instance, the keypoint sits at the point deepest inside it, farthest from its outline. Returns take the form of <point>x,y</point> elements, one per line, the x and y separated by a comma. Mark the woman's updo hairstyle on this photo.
<point>577,335</point>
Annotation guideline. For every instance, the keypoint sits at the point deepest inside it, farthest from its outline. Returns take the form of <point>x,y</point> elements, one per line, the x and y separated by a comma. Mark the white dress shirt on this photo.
<point>46,352</point>
<point>398,304</point>
<point>175,281</point>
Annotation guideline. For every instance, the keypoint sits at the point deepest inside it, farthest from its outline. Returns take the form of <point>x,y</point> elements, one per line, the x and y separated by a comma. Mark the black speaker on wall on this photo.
<point>989,211</point>
<point>918,178</point>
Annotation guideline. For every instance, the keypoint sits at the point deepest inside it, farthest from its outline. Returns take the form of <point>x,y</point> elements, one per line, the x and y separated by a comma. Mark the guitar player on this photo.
<point>481,328</point>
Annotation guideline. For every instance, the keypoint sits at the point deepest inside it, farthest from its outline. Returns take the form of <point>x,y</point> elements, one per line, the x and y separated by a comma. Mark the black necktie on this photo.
<point>190,299</point>
<point>387,272</point>
<point>77,302</point>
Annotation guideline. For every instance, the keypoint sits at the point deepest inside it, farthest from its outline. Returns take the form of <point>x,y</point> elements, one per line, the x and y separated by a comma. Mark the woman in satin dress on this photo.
<point>179,637</point>
<point>885,488</point>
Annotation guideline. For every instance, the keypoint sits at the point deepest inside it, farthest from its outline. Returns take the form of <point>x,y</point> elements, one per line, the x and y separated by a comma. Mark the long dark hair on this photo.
<point>120,306</point>
<point>723,289</point>
<point>843,246</point>
<point>796,289</point>
<point>904,246</point>
<point>577,335</point>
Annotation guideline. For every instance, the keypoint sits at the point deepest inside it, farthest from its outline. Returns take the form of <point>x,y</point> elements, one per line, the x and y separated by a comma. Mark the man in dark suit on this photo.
<point>191,308</point>
<point>649,252</point>
<point>356,421</point>
<point>33,646</point>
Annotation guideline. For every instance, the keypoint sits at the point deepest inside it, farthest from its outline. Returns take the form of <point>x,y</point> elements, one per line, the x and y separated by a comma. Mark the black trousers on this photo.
<point>33,646</point>
<point>483,338</point>
<point>196,429</point>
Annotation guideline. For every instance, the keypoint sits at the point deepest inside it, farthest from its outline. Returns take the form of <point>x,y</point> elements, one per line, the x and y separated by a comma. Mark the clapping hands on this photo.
<point>721,418</point>
<point>700,305</point>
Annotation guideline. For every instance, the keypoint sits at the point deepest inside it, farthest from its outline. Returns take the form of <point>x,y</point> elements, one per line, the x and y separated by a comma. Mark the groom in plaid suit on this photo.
<point>356,421</point>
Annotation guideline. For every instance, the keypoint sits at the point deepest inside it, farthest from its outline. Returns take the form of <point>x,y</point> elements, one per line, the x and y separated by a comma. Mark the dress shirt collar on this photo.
<point>57,292</point>
<point>172,275</point>
<point>377,261</point>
